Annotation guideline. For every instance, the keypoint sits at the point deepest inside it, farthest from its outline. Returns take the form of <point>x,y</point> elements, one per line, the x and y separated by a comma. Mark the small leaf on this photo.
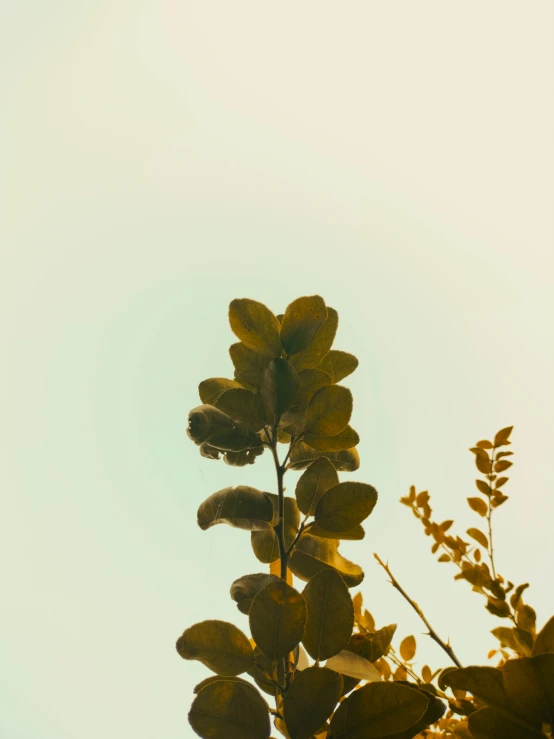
<point>330,615</point>
<point>484,444</point>
<point>500,481</point>
<point>320,345</point>
<point>483,487</point>
<point>378,710</point>
<point>478,505</point>
<point>408,648</point>
<point>210,390</point>
<point>353,665</point>
<point>373,646</point>
<point>479,536</point>
<point>338,364</point>
<point>310,700</point>
<point>329,411</point>
<point>247,587</point>
<point>516,595</point>
<point>498,607</point>
<point>501,438</point>
<point>444,558</point>
<point>426,673</point>
<point>242,405</point>
<point>228,709</point>
<point>242,507</point>
<point>347,439</point>
<point>311,555</point>
<point>316,480</point>
<point>545,639</point>
<point>345,506</point>
<point>219,645</point>
<point>504,464</point>
<point>279,387</point>
<point>277,619</point>
<point>256,326</point>
<point>498,500</point>
<point>302,320</point>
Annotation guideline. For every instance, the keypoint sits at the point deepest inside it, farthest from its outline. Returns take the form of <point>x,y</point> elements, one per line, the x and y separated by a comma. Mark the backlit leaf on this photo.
<point>302,456</point>
<point>320,345</point>
<point>338,364</point>
<point>249,365</point>
<point>345,506</point>
<point>355,534</point>
<point>504,464</point>
<point>244,406</point>
<point>545,639</point>
<point>219,645</point>
<point>484,682</point>
<point>517,639</point>
<point>210,390</point>
<point>309,382</point>
<point>310,700</point>
<point>479,536</point>
<point>277,619</point>
<point>347,439</point>
<point>484,444</point>
<point>373,646</point>
<point>256,326</point>
<point>228,709</point>
<point>478,505</point>
<point>302,320</point>
<point>242,507</point>
<point>264,543</point>
<point>501,438</point>
<point>245,588</point>
<point>490,723</point>
<point>216,678</point>
<point>408,648</point>
<point>482,460</point>
<point>330,615</point>
<point>329,411</point>
<point>353,665</point>
<point>311,555</point>
<point>483,487</point>
<point>279,387</point>
<point>313,483</point>
<point>526,618</point>
<point>378,710</point>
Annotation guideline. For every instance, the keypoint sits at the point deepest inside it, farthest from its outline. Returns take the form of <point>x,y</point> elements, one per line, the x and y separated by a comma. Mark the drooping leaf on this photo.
<point>219,645</point>
<point>355,534</point>
<point>242,507</point>
<point>216,678</point>
<point>330,615</point>
<point>302,320</point>
<point>279,387</point>
<point>210,390</point>
<point>329,411</point>
<point>408,648</point>
<point>338,364</point>
<point>249,365</point>
<point>479,536</point>
<point>226,709</point>
<point>491,723</point>
<point>373,646</point>
<point>478,505</point>
<point>347,439</point>
<point>309,382</point>
<point>310,700</point>
<point>244,457</point>
<point>264,543</point>
<point>256,326</point>
<point>316,480</point>
<point>311,555</point>
<point>320,345</point>
<point>245,588</point>
<point>545,639</point>
<point>354,666</point>
<point>302,456</point>
<point>277,619</point>
<point>345,505</point>
<point>208,424</point>
<point>244,406</point>
<point>378,710</point>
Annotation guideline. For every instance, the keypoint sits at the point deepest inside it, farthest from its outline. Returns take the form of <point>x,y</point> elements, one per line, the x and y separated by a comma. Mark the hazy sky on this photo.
<point>160,158</point>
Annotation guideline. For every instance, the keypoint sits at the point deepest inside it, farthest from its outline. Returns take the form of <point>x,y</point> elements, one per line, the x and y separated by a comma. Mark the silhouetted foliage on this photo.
<point>285,394</point>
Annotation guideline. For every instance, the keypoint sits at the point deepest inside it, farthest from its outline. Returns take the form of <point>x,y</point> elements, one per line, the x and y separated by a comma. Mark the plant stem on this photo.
<point>432,633</point>
<point>489,517</point>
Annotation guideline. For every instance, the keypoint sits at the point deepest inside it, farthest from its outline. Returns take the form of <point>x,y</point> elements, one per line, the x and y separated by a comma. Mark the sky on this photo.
<point>161,158</point>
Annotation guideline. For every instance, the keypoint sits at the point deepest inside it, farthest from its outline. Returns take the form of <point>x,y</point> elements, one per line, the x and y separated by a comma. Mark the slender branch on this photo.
<point>489,517</point>
<point>432,633</point>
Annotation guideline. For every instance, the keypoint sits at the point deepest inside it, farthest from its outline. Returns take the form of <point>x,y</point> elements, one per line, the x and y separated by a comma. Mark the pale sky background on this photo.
<point>160,158</point>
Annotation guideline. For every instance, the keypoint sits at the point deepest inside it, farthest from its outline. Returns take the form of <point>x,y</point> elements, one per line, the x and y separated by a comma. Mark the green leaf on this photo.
<point>219,645</point>
<point>302,320</point>
<point>320,345</point>
<point>354,666</point>
<point>316,480</point>
<point>217,678</point>
<point>256,326</point>
<point>279,387</point>
<point>329,411</point>
<point>277,619</point>
<point>378,710</point>
<point>227,709</point>
<point>347,439</point>
<point>491,723</point>
<point>545,639</point>
<point>302,456</point>
<point>242,507</point>
<point>244,406</point>
<point>484,682</point>
<point>330,615</point>
<point>310,700</point>
<point>210,390</point>
<point>355,534</point>
<point>345,506</point>
<point>373,646</point>
<point>247,587</point>
<point>338,364</point>
<point>311,555</point>
<point>249,366</point>
<point>264,543</point>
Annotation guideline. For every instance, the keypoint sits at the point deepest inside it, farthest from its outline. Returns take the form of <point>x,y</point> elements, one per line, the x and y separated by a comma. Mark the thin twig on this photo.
<point>432,633</point>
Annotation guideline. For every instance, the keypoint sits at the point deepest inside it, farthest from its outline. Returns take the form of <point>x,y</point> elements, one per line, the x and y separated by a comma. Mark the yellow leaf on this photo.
<point>501,438</point>
<point>408,648</point>
<point>479,536</point>
<point>478,505</point>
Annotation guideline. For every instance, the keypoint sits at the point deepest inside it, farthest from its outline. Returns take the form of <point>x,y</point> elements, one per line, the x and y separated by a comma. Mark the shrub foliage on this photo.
<point>286,399</point>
